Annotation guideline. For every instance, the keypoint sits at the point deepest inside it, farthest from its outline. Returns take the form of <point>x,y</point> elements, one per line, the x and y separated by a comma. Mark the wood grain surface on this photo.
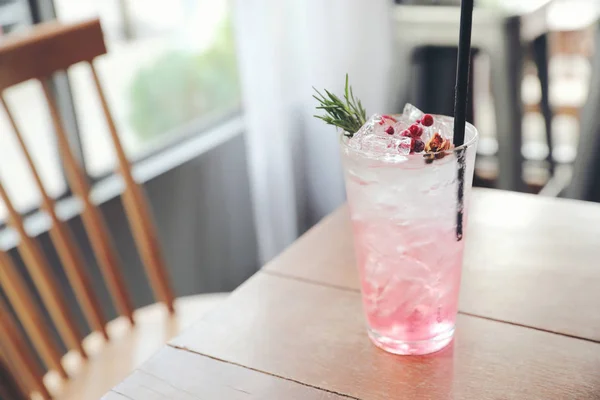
<point>528,327</point>
<point>182,375</point>
<point>316,335</point>
<point>528,260</point>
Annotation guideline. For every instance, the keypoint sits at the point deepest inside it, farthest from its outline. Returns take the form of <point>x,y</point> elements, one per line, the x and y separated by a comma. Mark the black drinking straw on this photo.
<point>460,104</point>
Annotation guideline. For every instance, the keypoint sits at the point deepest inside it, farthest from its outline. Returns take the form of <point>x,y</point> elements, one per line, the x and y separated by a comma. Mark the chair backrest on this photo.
<point>18,355</point>
<point>38,54</point>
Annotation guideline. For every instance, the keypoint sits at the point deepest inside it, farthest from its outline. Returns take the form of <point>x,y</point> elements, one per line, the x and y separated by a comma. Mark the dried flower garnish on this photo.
<point>437,144</point>
<point>436,148</point>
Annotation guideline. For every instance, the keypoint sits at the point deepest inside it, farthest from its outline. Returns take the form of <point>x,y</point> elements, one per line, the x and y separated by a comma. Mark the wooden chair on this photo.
<point>11,388</point>
<point>16,353</point>
<point>136,334</point>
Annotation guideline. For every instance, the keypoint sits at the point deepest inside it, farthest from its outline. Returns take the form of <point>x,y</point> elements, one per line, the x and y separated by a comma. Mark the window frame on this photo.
<point>40,11</point>
<point>44,11</point>
<point>188,131</point>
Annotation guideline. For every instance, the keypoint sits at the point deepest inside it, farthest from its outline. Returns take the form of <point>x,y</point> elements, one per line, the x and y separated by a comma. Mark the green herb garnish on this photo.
<point>349,115</point>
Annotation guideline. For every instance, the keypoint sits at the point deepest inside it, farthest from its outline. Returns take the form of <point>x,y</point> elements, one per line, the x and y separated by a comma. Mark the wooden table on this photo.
<point>528,328</point>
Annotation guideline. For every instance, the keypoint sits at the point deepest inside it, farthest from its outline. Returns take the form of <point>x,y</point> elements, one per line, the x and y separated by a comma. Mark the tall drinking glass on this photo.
<point>404,218</point>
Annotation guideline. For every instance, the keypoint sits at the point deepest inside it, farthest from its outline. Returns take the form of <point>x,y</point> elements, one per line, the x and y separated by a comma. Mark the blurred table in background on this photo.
<point>502,31</point>
<point>527,326</point>
<point>549,138</point>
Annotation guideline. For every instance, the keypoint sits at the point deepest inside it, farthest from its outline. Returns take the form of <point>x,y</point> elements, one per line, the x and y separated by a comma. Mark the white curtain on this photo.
<point>284,48</point>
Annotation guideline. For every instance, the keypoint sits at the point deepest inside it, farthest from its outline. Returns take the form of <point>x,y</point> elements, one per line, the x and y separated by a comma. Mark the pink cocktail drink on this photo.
<point>404,216</point>
<point>410,292</point>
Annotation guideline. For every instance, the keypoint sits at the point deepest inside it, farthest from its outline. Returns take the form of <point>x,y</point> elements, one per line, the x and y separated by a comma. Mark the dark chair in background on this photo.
<point>504,32</point>
<point>585,182</point>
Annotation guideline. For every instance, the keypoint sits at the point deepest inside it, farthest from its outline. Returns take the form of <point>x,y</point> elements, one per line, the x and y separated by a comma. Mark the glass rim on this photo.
<point>468,126</point>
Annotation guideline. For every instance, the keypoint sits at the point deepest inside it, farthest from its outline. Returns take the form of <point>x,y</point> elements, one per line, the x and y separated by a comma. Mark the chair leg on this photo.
<point>507,70</point>
<point>585,184</point>
<point>540,56</point>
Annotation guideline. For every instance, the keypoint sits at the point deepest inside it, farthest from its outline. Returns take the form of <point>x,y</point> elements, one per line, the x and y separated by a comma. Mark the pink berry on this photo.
<point>389,117</point>
<point>418,146</point>
<point>415,131</point>
<point>390,130</point>
<point>405,132</point>
<point>427,120</point>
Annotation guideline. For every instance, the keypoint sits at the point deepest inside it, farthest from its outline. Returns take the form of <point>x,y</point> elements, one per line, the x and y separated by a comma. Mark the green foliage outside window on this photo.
<point>180,87</point>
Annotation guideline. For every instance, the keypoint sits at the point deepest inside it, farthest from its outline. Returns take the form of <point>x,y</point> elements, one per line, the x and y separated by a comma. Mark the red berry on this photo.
<point>405,132</point>
<point>427,120</point>
<point>418,146</point>
<point>390,130</point>
<point>415,131</point>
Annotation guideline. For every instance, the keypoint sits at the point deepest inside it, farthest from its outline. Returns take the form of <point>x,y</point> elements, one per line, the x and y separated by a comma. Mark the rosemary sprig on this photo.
<point>348,114</point>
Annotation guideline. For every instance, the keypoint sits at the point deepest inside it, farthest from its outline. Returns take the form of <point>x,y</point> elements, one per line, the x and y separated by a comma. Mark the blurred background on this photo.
<point>212,99</point>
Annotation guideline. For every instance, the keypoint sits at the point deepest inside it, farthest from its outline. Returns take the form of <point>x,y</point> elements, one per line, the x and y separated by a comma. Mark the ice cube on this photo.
<point>402,124</point>
<point>443,125</point>
<point>377,144</point>
<point>378,125</point>
<point>428,132</point>
<point>386,122</point>
<point>412,113</point>
<point>403,146</point>
<point>371,127</point>
<point>374,137</point>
